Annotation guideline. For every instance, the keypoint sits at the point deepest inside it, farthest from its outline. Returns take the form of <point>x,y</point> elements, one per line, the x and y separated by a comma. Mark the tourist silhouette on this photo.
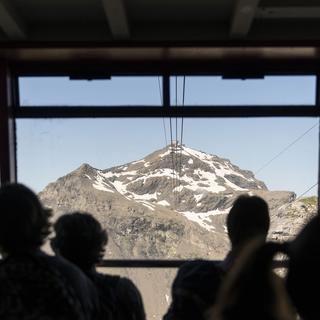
<point>34,285</point>
<point>247,219</point>
<point>81,239</point>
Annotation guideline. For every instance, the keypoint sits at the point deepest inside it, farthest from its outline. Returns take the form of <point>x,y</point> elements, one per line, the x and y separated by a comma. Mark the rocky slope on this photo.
<point>289,219</point>
<point>152,211</point>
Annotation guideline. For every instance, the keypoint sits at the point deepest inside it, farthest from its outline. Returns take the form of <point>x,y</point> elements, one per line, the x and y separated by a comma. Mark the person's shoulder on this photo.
<point>64,266</point>
<point>127,283</point>
<point>80,283</point>
<point>71,272</point>
<point>119,285</point>
<point>129,291</point>
<point>130,297</point>
<point>53,260</point>
<point>104,279</point>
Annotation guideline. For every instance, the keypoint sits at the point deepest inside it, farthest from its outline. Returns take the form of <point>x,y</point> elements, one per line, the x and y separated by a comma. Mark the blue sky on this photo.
<point>48,149</point>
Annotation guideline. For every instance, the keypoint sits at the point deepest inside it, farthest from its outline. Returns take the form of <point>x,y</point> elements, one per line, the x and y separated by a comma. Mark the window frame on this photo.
<point>10,110</point>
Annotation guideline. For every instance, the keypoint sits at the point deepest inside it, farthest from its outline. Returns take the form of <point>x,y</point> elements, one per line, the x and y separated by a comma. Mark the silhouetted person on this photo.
<point>251,290</point>
<point>81,239</point>
<point>247,219</point>
<point>34,285</point>
<point>194,290</point>
<point>303,279</point>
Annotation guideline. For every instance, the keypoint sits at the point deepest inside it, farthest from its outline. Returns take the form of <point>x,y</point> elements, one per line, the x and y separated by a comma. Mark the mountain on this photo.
<point>204,184</point>
<point>154,212</point>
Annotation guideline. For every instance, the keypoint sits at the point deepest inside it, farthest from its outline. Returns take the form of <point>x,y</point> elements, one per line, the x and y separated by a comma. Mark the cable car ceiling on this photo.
<point>143,30</point>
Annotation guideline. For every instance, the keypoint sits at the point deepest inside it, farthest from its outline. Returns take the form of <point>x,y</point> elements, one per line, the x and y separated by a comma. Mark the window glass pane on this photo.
<point>270,90</point>
<point>61,91</point>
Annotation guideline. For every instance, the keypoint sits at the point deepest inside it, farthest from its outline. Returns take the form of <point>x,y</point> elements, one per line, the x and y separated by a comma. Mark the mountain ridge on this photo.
<point>202,188</point>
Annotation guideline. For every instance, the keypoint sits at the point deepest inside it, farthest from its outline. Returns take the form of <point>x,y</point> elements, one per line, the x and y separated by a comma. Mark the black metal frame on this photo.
<point>150,111</point>
<point>157,264</point>
<point>166,110</point>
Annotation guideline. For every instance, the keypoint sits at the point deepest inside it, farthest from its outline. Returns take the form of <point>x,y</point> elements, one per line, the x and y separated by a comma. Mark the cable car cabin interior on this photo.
<point>173,144</point>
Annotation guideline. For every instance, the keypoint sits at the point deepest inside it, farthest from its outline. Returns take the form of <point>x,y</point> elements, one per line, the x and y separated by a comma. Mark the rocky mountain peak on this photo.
<point>203,171</point>
<point>183,179</point>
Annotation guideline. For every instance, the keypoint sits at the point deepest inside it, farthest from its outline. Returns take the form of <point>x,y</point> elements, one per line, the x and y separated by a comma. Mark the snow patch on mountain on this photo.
<point>156,174</point>
<point>111,174</point>
<point>220,169</point>
<point>204,218</point>
<point>167,152</point>
<point>147,204</point>
<point>198,197</point>
<point>147,196</point>
<point>164,203</point>
<point>121,188</point>
<point>101,184</point>
<point>138,161</point>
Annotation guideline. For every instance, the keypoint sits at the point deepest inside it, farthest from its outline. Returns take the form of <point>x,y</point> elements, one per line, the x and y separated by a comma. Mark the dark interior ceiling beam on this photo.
<point>10,22</point>
<point>117,18</point>
<point>243,15</point>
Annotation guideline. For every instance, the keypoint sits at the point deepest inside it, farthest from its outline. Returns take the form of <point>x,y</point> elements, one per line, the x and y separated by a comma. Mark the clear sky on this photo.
<point>49,149</point>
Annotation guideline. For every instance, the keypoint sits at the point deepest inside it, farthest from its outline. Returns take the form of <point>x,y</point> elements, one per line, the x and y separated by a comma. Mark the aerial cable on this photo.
<point>176,144</point>
<point>181,133</point>
<point>302,194</point>
<point>285,149</point>
<point>176,107</point>
<point>165,132</point>
<point>163,120</point>
<point>309,189</point>
<point>172,155</point>
<point>178,153</point>
<point>170,148</point>
<point>181,130</point>
<point>183,97</point>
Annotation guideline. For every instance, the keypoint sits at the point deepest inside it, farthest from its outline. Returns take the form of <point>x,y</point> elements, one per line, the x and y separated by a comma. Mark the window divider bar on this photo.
<point>136,263</point>
<point>166,91</point>
<point>318,107</point>
<point>160,111</point>
<point>318,91</point>
<point>8,168</point>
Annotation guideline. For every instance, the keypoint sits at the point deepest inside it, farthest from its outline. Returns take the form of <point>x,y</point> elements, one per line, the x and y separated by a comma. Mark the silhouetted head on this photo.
<point>251,290</point>
<point>24,223</point>
<point>80,239</point>
<point>303,280</point>
<point>247,219</point>
<point>194,290</point>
